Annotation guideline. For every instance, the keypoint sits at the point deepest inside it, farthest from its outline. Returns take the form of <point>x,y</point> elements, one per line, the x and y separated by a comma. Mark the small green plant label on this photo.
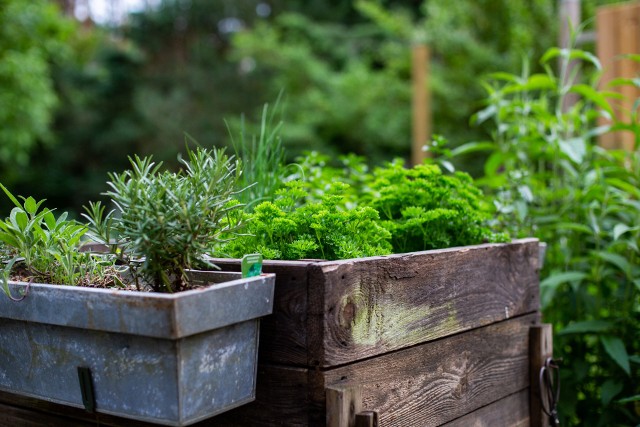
<point>251,265</point>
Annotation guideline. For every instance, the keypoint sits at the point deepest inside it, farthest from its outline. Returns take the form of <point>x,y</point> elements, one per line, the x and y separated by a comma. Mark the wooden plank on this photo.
<point>421,110</point>
<point>606,50</point>
<point>628,33</point>
<point>434,383</point>
<point>343,403</point>
<point>618,29</point>
<point>283,335</point>
<point>512,411</point>
<point>540,348</point>
<point>367,307</point>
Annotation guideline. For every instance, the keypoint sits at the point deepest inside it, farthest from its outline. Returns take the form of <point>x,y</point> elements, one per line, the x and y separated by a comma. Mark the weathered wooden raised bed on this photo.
<point>422,339</point>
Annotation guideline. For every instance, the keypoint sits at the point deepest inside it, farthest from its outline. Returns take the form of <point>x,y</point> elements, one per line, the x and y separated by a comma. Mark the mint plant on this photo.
<point>552,180</point>
<point>422,208</point>
<point>286,229</point>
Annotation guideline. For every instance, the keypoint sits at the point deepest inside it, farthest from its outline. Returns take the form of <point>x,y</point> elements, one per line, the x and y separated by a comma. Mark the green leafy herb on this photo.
<point>424,209</point>
<point>168,221</point>
<point>284,229</point>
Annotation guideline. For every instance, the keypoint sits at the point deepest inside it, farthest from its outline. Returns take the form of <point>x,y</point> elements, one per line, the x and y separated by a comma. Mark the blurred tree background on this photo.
<point>78,98</point>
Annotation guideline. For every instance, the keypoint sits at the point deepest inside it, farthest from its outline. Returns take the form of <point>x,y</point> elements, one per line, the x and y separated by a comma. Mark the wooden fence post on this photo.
<point>540,348</point>
<point>421,107</point>
<point>618,33</point>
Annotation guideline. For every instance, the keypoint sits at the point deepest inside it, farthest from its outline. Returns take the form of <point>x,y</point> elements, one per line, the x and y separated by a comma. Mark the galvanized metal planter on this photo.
<point>171,359</point>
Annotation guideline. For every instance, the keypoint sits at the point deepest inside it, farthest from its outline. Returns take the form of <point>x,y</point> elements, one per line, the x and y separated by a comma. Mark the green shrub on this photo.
<point>424,209</point>
<point>168,221</point>
<point>551,180</point>
<point>45,248</point>
<point>288,229</point>
<point>32,36</point>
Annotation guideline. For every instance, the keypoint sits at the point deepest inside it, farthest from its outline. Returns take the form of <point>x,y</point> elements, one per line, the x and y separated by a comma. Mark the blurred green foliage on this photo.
<point>187,65</point>
<point>550,179</point>
<point>32,38</point>
<point>345,92</point>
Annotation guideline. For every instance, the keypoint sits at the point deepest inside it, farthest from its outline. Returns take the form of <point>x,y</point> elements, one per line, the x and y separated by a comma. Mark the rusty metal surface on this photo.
<point>187,374</point>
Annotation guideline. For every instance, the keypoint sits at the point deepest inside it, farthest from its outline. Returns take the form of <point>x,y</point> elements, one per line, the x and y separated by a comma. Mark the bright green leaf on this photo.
<point>587,326</point>
<point>610,389</point>
<point>570,54</point>
<point>618,260</point>
<point>624,186</point>
<point>574,148</point>
<point>594,96</point>
<point>574,226</point>
<point>616,350</point>
<point>619,230</point>
<point>557,279</point>
<point>473,147</point>
<point>629,399</point>
<point>30,205</point>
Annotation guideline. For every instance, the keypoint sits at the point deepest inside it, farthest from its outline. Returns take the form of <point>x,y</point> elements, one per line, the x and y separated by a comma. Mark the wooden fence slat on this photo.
<point>421,108</point>
<point>627,27</point>
<point>606,48</point>
<point>618,33</point>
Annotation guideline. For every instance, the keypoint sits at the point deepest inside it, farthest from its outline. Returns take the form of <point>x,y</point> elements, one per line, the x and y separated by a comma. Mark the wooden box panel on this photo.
<point>431,384</point>
<point>430,338</point>
<point>336,312</point>
<point>512,411</point>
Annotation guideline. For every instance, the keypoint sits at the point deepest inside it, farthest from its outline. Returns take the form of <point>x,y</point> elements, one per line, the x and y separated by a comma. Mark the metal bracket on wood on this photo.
<point>344,407</point>
<point>540,350</point>
<point>86,388</point>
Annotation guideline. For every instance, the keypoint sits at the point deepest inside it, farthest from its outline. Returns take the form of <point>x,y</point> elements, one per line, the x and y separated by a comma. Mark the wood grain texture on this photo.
<point>283,334</point>
<point>606,49</point>
<point>366,307</point>
<point>512,411</point>
<point>628,32</point>
<point>540,348</point>
<point>434,383</point>
<point>618,33</point>
<point>343,403</point>
<point>336,312</point>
